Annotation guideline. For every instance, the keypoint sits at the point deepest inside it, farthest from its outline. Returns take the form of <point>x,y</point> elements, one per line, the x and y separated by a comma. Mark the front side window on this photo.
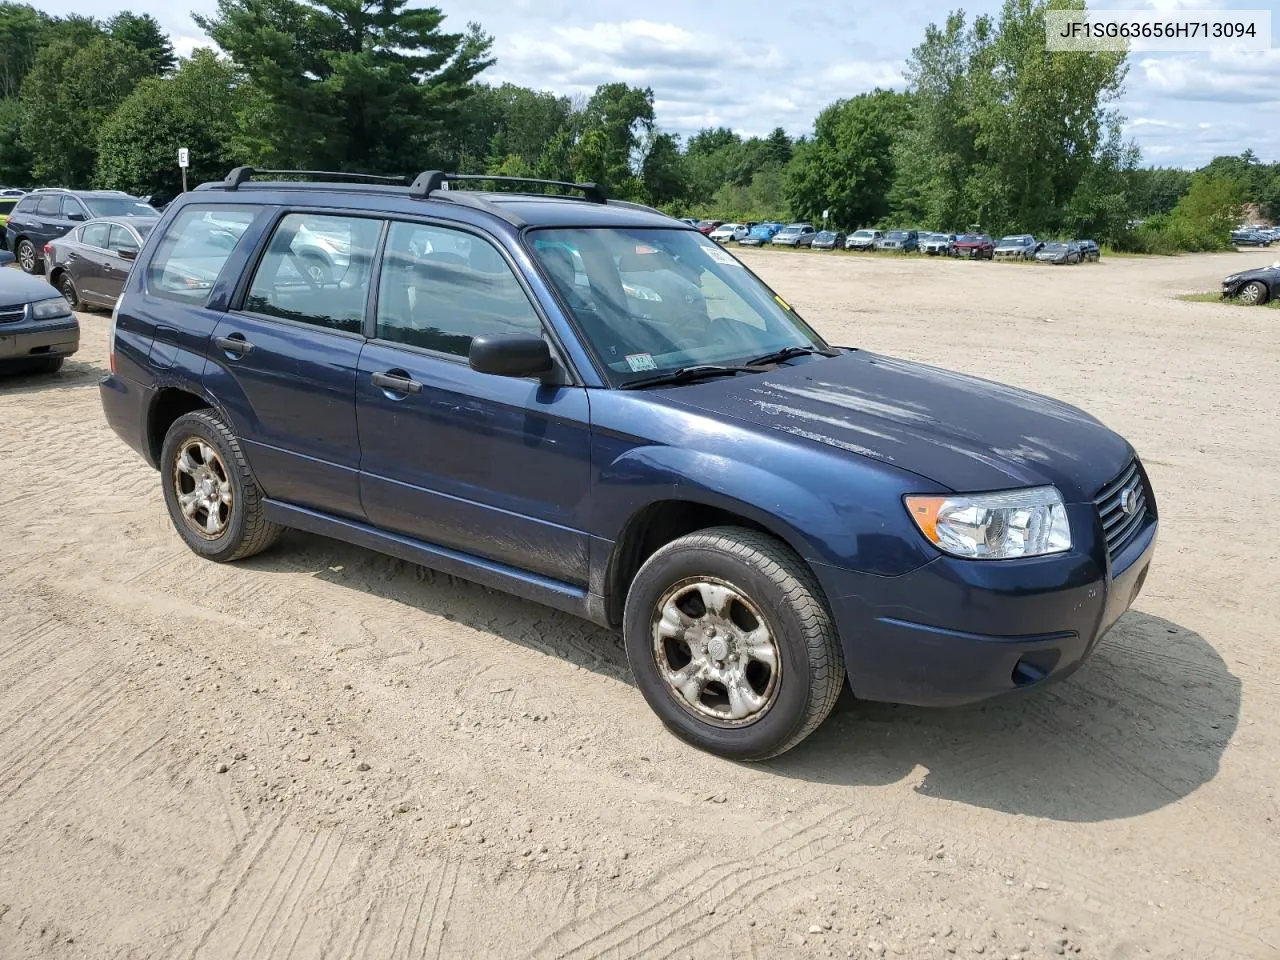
<point>651,301</point>
<point>49,206</point>
<point>95,235</point>
<point>439,288</point>
<point>71,209</point>
<point>316,270</point>
<point>194,249</point>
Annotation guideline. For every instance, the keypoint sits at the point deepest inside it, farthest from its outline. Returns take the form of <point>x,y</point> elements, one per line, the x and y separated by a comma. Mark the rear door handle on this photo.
<point>397,381</point>
<point>236,343</point>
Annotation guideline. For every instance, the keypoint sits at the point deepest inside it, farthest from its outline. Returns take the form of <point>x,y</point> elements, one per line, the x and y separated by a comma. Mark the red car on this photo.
<point>706,226</point>
<point>975,246</point>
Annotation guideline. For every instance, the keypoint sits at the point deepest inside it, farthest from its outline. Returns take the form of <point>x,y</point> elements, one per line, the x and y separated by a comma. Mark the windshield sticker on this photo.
<point>721,256</point>
<point>641,361</point>
<point>782,303</point>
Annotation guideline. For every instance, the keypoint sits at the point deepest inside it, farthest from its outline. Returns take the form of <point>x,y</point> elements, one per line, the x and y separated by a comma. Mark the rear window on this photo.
<point>7,204</point>
<point>120,207</point>
<point>194,250</point>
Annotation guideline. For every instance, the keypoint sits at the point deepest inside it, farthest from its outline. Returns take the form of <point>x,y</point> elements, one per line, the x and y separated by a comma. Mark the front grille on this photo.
<point>13,314</point>
<point>1118,525</point>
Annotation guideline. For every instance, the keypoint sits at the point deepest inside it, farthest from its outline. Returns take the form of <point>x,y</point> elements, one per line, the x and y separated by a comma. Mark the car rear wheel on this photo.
<point>213,499</point>
<point>1253,294</point>
<point>28,258</point>
<point>731,643</point>
<point>67,287</point>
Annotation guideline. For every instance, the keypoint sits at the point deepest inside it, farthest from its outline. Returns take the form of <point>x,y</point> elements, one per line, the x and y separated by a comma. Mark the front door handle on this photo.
<point>236,343</point>
<point>397,381</point>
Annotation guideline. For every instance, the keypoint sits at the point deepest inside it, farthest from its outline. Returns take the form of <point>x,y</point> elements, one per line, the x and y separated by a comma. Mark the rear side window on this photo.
<point>121,239</point>
<point>27,205</point>
<point>316,270</point>
<point>95,234</point>
<point>7,205</point>
<point>194,249</point>
<point>439,288</point>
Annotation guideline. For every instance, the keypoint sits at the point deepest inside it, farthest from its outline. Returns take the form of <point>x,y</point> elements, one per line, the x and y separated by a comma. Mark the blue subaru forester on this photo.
<point>591,405</point>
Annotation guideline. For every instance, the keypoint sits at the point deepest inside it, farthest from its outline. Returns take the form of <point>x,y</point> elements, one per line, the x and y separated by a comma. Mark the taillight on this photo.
<point>48,250</point>
<point>111,338</point>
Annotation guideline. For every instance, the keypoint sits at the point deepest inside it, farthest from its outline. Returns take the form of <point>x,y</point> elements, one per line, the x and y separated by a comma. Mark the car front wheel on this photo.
<point>731,643</point>
<point>213,499</point>
<point>1253,294</point>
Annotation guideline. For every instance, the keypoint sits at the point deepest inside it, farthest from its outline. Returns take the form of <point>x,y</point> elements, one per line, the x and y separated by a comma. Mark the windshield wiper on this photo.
<point>688,375</point>
<point>789,353</point>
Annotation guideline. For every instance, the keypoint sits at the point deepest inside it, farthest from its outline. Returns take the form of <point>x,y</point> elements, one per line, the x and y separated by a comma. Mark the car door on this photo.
<point>117,260</point>
<point>86,249</point>
<point>497,467</point>
<point>282,362</point>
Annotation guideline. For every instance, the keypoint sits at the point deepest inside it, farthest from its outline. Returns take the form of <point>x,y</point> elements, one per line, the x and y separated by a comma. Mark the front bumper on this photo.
<point>32,339</point>
<point>960,631</point>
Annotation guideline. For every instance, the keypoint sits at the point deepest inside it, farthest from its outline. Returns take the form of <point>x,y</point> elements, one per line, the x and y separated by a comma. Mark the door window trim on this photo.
<point>236,303</point>
<point>560,356</point>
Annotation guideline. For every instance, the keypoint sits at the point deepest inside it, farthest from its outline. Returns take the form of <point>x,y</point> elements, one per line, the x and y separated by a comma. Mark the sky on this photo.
<point>753,65</point>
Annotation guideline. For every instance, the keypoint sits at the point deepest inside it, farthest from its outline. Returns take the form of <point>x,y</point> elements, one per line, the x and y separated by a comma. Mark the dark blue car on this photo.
<point>588,404</point>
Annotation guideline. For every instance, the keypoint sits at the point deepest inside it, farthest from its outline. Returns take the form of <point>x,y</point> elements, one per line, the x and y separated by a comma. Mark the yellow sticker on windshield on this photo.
<point>782,303</point>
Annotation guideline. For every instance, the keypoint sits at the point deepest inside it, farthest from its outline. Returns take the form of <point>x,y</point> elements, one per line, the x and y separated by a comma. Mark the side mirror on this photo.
<point>76,217</point>
<point>127,254</point>
<point>510,355</point>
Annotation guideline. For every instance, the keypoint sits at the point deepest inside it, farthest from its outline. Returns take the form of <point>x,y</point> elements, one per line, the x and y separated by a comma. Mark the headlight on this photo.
<point>1231,279</point>
<point>48,309</point>
<point>994,526</point>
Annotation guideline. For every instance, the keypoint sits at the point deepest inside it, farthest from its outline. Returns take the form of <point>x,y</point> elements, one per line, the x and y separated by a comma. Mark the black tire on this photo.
<point>47,364</point>
<point>245,531</point>
<point>67,287</point>
<point>28,257</point>
<point>1254,293</point>
<point>784,591</point>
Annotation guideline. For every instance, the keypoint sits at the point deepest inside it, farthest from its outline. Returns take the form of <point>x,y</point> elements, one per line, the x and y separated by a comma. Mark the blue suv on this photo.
<point>591,405</point>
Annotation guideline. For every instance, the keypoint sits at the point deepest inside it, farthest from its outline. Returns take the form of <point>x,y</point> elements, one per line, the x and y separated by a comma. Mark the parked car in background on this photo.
<point>1089,250</point>
<point>1249,238</point>
<point>47,214</point>
<point>705,227</point>
<point>89,265</point>
<point>1022,246</point>
<point>691,221</point>
<point>1253,287</point>
<point>795,235</point>
<point>863,240</point>
<point>937,244</point>
<point>760,234</point>
<point>1059,251</point>
<point>729,231</point>
<point>37,328</point>
<point>900,241</point>
<point>829,240</point>
<point>974,246</point>
<point>8,200</point>
<point>767,518</point>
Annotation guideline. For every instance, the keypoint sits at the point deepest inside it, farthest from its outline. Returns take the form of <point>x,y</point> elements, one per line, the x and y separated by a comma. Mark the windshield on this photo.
<point>864,233</point>
<point>1016,241</point>
<point>119,207</point>
<point>897,235</point>
<point>651,301</point>
<point>1054,247</point>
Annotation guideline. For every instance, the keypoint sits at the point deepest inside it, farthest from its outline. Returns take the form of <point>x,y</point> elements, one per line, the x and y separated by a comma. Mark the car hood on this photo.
<point>963,432</point>
<point>1258,273</point>
<point>17,287</point>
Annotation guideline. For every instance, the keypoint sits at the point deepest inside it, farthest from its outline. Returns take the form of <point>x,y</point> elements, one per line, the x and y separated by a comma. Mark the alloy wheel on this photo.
<point>715,652</point>
<point>203,486</point>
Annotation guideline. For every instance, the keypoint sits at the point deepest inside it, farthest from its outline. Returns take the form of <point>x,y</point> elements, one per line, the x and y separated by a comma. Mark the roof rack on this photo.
<point>430,181</point>
<point>241,175</point>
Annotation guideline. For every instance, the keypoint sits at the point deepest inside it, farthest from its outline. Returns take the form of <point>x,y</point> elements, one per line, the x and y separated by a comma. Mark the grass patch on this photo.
<point>1217,298</point>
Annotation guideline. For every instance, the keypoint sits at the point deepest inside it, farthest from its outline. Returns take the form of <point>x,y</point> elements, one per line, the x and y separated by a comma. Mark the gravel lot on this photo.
<point>324,752</point>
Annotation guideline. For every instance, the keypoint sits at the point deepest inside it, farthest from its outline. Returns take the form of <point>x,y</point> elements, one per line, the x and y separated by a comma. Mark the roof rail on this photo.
<point>429,181</point>
<point>241,175</point>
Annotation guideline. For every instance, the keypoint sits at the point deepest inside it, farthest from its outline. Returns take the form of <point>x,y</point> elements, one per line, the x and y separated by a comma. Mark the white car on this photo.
<point>728,231</point>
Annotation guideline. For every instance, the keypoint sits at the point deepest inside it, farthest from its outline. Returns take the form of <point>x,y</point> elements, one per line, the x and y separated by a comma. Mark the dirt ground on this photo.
<point>324,752</point>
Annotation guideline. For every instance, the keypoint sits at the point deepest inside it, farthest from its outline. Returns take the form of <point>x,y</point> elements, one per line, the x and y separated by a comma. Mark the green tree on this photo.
<point>848,166</point>
<point>1205,217</point>
<point>198,107</point>
<point>663,170</point>
<point>143,33</point>
<point>66,98</point>
<point>21,30</point>
<point>15,158</point>
<point>523,121</point>
<point>352,85</point>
